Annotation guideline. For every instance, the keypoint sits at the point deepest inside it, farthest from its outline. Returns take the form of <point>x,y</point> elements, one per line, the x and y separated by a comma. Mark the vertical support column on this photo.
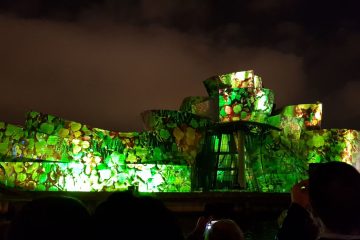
<point>215,162</point>
<point>241,158</point>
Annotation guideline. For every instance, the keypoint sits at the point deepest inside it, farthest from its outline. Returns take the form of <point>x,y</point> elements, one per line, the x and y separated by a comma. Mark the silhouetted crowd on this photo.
<point>325,206</point>
<point>122,215</point>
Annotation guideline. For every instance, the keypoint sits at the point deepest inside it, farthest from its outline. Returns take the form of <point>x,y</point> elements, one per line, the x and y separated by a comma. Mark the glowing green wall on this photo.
<point>245,104</point>
<point>274,163</point>
<point>77,157</point>
<point>275,145</point>
<point>46,176</point>
<point>242,79</point>
<point>276,159</point>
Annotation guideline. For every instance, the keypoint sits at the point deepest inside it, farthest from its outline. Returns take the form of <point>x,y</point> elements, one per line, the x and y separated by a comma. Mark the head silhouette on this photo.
<point>51,218</point>
<point>224,229</point>
<point>334,191</point>
<point>135,217</point>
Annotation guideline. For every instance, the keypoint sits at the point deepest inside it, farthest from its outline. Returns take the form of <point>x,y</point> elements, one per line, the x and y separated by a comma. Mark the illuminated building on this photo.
<point>246,145</point>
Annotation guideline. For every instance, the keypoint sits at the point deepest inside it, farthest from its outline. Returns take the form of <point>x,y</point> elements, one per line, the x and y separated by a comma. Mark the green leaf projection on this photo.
<point>178,135</point>
<point>301,116</point>
<point>243,79</point>
<point>201,106</point>
<point>245,104</point>
<point>82,158</point>
<point>45,176</point>
<point>232,139</point>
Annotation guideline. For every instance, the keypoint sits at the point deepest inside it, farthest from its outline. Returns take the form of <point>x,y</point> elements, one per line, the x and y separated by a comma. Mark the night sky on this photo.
<point>103,62</point>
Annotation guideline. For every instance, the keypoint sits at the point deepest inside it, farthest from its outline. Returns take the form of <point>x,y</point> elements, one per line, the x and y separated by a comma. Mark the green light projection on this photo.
<point>243,79</point>
<point>76,157</point>
<point>236,125</point>
<point>201,106</point>
<point>245,104</point>
<point>274,162</point>
<point>47,176</point>
<point>179,135</point>
<point>301,116</point>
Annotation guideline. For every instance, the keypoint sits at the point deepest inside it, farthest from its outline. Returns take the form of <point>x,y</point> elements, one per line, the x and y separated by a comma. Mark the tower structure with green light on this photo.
<point>231,140</point>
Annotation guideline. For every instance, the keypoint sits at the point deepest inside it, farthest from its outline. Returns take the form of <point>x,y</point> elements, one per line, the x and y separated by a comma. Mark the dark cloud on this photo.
<point>341,108</point>
<point>104,62</point>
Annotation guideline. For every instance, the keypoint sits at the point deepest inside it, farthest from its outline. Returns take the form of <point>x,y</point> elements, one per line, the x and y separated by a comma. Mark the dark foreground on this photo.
<point>257,213</point>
